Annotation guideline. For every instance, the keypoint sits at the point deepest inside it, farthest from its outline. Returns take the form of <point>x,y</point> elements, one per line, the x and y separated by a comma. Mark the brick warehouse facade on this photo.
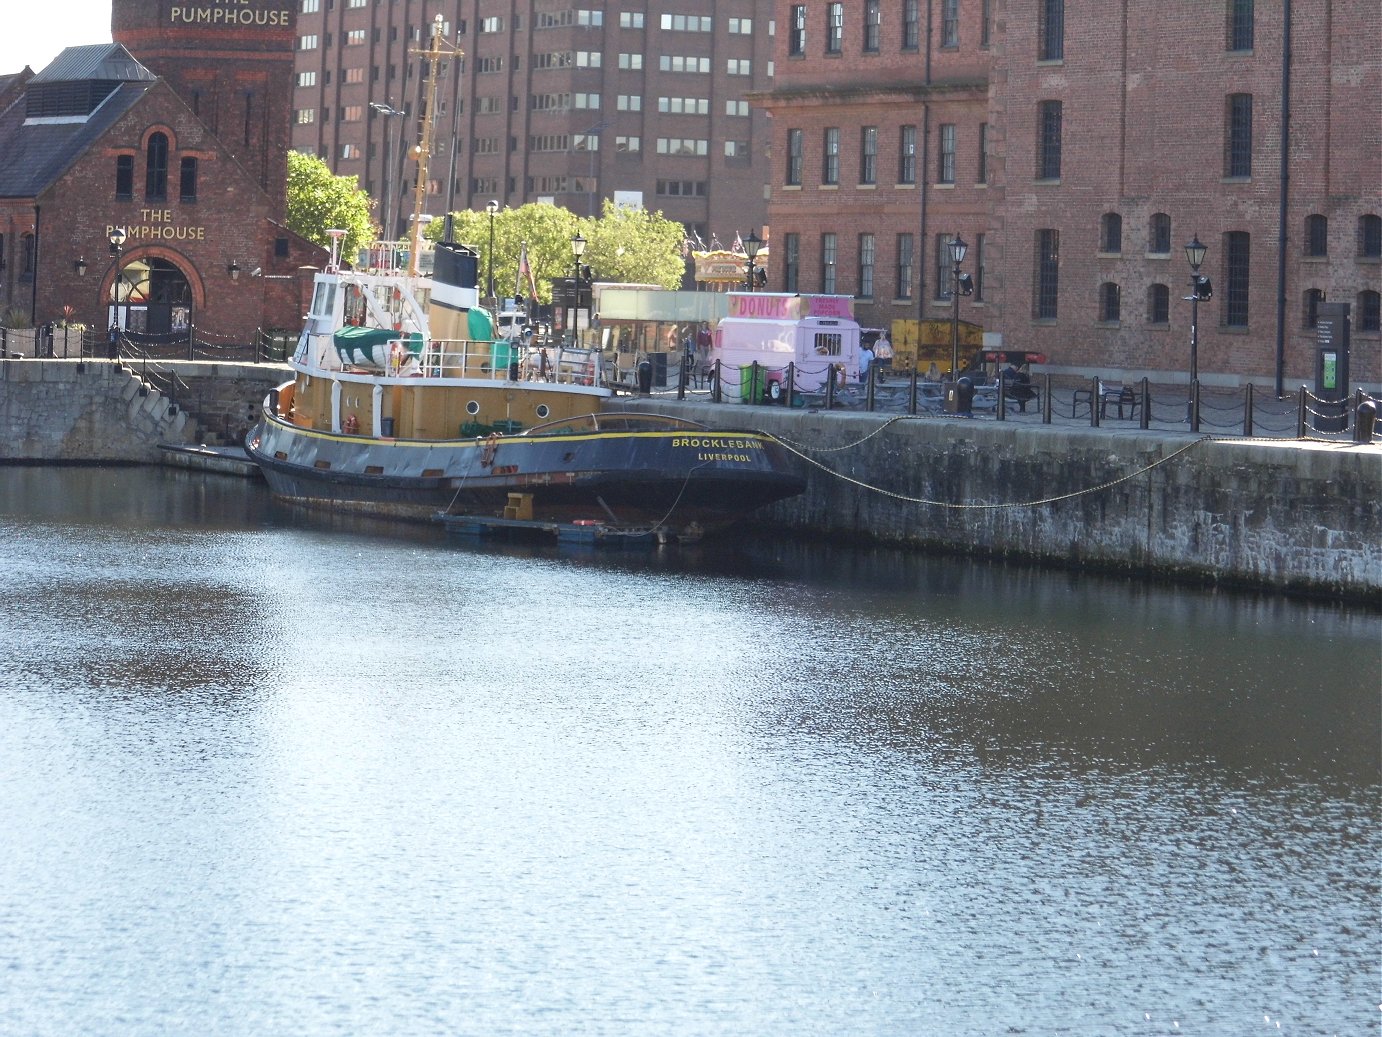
<point>97,140</point>
<point>644,102</point>
<point>1113,178</point>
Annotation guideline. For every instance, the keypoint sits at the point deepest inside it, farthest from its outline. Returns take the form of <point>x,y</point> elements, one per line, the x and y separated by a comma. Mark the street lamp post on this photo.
<point>388,214</point>
<point>1199,289</point>
<point>753,244</point>
<point>958,248</point>
<point>117,249</point>
<point>577,250</point>
<point>492,208</point>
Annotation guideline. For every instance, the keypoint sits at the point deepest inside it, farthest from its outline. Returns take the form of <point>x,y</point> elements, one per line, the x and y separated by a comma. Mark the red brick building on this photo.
<point>1078,148</point>
<point>190,162</point>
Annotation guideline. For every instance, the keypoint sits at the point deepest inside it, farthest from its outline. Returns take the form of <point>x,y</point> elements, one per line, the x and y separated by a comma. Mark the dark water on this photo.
<point>261,774</point>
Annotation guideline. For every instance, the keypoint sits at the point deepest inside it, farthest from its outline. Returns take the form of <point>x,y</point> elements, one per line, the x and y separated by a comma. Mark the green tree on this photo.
<point>626,245</point>
<point>319,201</point>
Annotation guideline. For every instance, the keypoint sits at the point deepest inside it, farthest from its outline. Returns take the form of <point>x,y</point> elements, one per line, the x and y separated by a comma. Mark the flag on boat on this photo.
<point>525,275</point>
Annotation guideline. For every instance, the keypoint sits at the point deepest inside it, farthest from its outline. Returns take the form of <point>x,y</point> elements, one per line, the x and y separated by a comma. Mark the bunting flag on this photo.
<point>525,275</point>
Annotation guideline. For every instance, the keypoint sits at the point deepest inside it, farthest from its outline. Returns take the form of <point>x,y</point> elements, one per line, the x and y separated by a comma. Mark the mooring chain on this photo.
<point>982,507</point>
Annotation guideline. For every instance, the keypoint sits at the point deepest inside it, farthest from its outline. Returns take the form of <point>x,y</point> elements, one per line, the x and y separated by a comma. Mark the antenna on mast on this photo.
<point>434,53</point>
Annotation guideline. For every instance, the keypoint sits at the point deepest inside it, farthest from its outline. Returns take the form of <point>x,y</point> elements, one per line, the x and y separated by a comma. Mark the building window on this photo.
<point>945,273</point>
<point>124,178</point>
<point>868,155</point>
<point>983,176</point>
<point>1109,305</point>
<point>1238,136</point>
<point>187,180</point>
<point>791,262</point>
<point>1317,236</point>
<point>906,258</point>
<point>945,172</point>
<point>308,42</point>
<point>1158,304</point>
<point>156,168</point>
<point>307,79</point>
<point>310,6</point>
<point>1310,306</point>
<point>828,264</point>
<point>1237,251</point>
<point>1369,311</point>
<point>907,155</point>
<point>1159,234</point>
<point>1048,143</point>
<point>1111,233</point>
<point>27,256</point>
<point>794,146</point>
<point>867,252</point>
<point>873,24</point>
<point>1370,236</point>
<point>1046,274</point>
<point>985,22</point>
<point>1240,24</point>
<point>950,23</point>
<point>830,169</point>
<point>796,39</point>
<point>911,24</point>
<point>835,28</point>
<point>1050,30</point>
<point>305,116</point>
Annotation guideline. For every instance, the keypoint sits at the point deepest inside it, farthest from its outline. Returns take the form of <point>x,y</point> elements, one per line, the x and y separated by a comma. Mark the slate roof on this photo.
<point>35,153</point>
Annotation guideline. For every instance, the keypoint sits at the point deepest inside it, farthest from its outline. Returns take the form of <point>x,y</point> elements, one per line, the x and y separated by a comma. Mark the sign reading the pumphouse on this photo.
<point>232,13</point>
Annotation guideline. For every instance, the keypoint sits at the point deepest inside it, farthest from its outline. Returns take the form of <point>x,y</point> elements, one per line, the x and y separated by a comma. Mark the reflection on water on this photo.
<point>261,773</point>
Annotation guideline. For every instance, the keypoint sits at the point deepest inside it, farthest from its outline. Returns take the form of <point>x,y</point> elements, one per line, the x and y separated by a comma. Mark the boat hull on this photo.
<point>660,476</point>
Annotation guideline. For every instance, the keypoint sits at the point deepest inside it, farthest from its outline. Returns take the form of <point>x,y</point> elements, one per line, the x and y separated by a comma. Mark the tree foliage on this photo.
<point>623,245</point>
<point>319,201</point>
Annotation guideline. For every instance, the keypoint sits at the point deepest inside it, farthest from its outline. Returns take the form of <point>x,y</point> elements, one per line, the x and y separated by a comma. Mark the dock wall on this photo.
<point>1293,516</point>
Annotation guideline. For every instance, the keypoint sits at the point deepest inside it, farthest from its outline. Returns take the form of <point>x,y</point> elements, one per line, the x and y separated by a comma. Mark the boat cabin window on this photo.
<point>354,305</point>
<point>828,344</point>
<point>324,300</point>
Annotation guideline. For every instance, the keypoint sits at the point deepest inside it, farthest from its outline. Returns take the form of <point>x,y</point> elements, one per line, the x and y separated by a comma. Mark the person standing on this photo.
<point>113,344</point>
<point>883,355</point>
<point>865,362</point>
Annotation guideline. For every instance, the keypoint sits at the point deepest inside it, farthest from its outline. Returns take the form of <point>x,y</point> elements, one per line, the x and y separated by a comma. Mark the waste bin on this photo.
<point>645,377</point>
<point>386,427</point>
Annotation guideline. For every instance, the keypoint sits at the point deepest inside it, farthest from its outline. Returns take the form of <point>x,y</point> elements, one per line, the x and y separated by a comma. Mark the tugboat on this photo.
<point>418,413</point>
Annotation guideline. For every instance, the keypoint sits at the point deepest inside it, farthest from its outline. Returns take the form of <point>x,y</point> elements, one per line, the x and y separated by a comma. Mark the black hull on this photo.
<point>674,478</point>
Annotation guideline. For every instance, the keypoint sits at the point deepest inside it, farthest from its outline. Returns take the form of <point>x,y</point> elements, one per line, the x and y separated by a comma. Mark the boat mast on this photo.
<point>434,55</point>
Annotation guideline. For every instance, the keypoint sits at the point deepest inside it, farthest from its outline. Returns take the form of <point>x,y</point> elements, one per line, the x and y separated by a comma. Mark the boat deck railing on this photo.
<point>508,361</point>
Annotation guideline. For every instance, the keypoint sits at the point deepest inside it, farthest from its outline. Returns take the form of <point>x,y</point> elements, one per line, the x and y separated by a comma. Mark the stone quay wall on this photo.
<point>68,411</point>
<point>1288,516</point>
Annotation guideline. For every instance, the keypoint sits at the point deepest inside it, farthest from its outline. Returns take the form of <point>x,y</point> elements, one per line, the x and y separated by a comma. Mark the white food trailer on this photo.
<point>816,334</point>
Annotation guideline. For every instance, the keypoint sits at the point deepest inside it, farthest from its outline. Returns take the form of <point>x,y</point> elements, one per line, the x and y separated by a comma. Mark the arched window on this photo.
<point>1316,235</point>
<point>1369,311</point>
<point>1311,306</point>
<point>1158,304</point>
<point>27,256</point>
<point>1370,236</point>
<point>1159,234</point>
<point>1111,233</point>
<point>1109,305</point>
<point>156,169</point>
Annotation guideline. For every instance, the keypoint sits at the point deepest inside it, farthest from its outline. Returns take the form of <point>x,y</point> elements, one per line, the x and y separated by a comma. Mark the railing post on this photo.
<point>1096,393</point>
<point>912,392</point>
<point>868,388</point>
<point>1247,409</point>
<point>681,381</point>
<point>791,383</point>
<point>1195,405</point>
<point>1146,390</point>
<point>1001,412</point>
<point>190,327</point>
<point>717,388</point>
<point>1300,414</point>
<point>1046,399</point>
<point>829,386</point>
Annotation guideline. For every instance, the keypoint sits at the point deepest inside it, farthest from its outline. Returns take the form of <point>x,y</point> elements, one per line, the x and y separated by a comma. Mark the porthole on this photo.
<point>543,410</point>
<point>472,408</point>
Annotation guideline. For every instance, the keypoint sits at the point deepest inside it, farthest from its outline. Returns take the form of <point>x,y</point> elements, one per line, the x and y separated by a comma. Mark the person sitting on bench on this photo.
<point>1018,386</point>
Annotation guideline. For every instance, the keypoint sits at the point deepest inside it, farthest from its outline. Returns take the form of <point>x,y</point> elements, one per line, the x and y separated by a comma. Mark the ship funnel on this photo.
<point>455,292</point>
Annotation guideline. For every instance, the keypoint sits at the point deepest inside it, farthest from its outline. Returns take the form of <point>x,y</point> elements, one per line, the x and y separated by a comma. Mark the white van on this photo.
<point>510,324</point>
<point>817,334</point>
